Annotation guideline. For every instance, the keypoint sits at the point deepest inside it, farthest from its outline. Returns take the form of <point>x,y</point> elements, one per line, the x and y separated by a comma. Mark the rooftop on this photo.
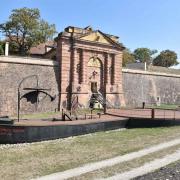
<point>88,34</point>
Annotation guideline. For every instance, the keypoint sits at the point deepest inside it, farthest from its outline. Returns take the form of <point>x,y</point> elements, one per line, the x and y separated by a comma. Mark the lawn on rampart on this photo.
<point>27,161</point>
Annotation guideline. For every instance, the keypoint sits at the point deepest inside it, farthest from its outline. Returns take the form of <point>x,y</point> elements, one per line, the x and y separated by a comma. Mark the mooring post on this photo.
<point>62,114</point>
<point>152,113</point>
<point>143,105</point>
<point>105,108</point>
<point>18,104</point>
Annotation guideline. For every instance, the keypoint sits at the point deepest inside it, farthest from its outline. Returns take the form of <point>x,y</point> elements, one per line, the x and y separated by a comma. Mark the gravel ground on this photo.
<point>170,172</point>
<point>19,145</point>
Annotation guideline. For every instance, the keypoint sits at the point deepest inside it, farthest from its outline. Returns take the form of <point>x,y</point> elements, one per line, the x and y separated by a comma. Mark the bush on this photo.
<point>1,50</point>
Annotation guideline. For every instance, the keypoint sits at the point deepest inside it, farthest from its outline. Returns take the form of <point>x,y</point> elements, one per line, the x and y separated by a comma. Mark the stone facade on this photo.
<point>76,47</point>
<point>87,61</point>
<point>150,87</point>
<point>13,71</point>
<point>138,86</point>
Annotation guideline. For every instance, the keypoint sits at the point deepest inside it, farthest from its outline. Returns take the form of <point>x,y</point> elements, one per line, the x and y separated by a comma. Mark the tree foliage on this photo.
<point>144,55</point>
<point>1,48</point>
<point>128,57</point>
<point>166,58</point>
<point>25,29</point>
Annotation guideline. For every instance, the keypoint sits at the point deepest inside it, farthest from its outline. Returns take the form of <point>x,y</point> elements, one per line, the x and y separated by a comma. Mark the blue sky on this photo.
<point>138,23</point>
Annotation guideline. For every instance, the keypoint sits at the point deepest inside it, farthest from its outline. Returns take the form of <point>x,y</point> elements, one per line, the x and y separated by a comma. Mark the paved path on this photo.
<point>109,162</point>
<point>41,122</point>
<point>148,167</point>
<point>146,113</point>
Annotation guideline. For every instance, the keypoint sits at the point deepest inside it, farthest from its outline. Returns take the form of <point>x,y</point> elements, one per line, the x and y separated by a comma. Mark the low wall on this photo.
<point>13,70</point>
<point>150,87</point>
<point>21,134</point>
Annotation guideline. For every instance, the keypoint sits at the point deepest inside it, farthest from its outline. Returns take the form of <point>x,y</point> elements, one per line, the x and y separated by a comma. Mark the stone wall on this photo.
<point>150,87</point>
<point>138,86</point>
<point>13,70</point>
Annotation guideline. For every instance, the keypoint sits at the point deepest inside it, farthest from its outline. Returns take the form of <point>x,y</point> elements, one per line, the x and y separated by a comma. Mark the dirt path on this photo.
<point>110,162</point>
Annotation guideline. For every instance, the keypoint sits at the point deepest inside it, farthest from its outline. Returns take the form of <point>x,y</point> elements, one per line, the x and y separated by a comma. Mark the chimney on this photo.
<point>7,49</point>
<point>145,66</point>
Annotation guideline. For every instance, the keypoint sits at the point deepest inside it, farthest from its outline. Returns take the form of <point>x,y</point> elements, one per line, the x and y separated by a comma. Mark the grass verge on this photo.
<point>165,106</point>
<point>126,166</point>
<point>37,115</point>
<point>38,159</point>
<point>53,114</point>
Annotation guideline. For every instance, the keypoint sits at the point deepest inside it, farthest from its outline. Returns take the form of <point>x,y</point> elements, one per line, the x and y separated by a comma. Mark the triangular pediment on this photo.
<point>96,37</point>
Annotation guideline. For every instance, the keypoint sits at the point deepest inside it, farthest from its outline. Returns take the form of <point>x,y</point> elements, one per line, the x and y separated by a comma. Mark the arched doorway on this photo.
<point>95,79</point>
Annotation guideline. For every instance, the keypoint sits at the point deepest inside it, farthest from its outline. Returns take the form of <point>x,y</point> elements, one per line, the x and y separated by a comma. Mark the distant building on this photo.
<point>45,50</point>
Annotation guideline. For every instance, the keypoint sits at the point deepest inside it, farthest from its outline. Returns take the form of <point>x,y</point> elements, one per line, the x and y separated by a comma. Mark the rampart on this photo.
<point>138,86</point>
<point>150,87</point>
<point>13,70</point>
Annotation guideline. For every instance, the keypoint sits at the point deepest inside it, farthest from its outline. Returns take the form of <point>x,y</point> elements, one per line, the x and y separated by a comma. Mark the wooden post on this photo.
<point>152,113</point>
<point>62,114</point>
<point>143,105</point>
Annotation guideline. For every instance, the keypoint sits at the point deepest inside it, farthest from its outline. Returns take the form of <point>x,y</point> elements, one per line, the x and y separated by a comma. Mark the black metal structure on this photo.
<point>33,91</point>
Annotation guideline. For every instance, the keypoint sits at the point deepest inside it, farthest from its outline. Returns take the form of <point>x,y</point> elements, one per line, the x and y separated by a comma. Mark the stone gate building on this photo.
<point>90,62</point>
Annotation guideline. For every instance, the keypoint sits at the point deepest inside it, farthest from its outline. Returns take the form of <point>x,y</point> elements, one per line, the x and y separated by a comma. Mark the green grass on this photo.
<point>39,159</point>
<point>37,115</point>
<point>165,106</point>
<point>88,111</point>
<point>126,166</point>
<point>52,114</point>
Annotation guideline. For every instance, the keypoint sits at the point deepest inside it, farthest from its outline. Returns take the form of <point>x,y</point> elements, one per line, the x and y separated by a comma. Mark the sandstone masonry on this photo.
<point>13,70</point>
<point>89,59</point>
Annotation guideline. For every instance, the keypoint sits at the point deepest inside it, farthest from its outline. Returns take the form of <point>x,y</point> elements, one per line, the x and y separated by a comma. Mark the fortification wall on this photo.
<point>13,70</point>
<point>138,86</point>
<point>150,87</point>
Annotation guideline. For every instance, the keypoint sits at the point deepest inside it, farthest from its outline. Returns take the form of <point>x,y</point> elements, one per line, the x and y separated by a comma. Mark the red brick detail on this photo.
<point>84,66</point>
<point>108,69</point>
<point>73,60</point>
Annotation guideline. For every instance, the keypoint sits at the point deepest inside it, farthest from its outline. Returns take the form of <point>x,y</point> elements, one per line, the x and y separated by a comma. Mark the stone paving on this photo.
<point>49,122</point>
<point>112,115</point>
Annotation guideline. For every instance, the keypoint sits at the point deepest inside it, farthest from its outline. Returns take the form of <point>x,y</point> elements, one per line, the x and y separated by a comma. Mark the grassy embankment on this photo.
<point>43,158</point>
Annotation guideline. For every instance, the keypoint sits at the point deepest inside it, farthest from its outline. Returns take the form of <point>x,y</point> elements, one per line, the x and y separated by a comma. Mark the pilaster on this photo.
<point>84,66</point>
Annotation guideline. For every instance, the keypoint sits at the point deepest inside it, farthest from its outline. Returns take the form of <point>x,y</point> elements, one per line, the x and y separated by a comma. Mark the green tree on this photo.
<point>128,57</point>
<point>25,29</point>
<point>1,48</point>
<point>144,54</point>
<point>166,58</point>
